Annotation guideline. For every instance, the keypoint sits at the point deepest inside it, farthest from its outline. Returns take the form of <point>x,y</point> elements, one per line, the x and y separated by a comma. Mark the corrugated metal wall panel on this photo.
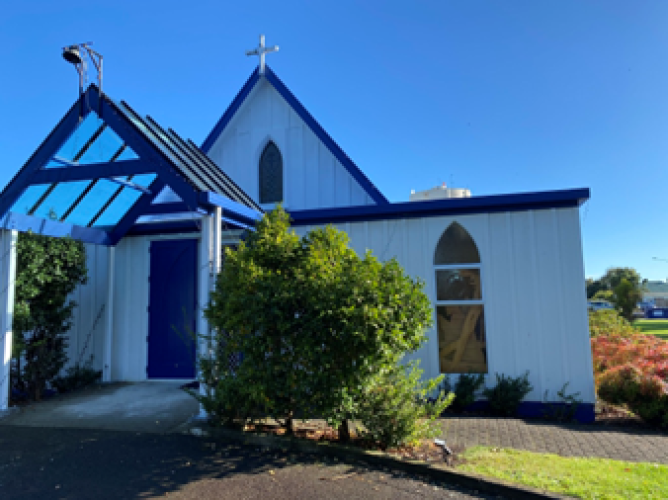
<point>86,337</point>
<point>532,278</point>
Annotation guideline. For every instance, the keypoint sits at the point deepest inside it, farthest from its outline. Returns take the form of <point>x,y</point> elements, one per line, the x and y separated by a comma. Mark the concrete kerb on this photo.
<point>434,471</point>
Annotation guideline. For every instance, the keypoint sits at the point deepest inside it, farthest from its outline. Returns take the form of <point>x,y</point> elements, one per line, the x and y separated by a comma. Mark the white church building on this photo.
<point>504,273</point>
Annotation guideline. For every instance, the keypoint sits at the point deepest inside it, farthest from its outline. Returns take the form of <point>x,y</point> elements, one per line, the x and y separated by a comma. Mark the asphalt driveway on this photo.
<point>51,463</point>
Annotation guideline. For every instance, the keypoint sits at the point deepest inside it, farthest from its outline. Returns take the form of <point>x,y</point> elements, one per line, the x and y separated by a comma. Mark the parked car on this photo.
<point>597,305</point>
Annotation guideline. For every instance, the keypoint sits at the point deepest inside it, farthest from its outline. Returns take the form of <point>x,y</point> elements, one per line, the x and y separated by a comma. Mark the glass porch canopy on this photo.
<point>105,171</point>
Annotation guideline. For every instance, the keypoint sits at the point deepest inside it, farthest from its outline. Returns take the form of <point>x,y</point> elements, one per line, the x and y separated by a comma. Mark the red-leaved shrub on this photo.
<point>633,371</point>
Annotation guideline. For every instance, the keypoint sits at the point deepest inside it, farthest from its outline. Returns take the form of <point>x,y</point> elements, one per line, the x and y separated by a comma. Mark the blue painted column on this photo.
<point>8,240</point>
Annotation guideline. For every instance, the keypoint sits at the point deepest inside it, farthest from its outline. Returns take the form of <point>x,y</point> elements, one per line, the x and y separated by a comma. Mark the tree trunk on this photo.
<point>344,431</point>
<point>289,424</point>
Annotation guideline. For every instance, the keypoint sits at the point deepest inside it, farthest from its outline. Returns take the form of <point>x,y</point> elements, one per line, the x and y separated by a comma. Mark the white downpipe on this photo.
<point>109,327</point>
<point>203,288</point>
<point>8,240</point>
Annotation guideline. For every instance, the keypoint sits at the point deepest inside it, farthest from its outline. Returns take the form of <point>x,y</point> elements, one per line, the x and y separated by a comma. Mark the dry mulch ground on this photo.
<point>318,430</point>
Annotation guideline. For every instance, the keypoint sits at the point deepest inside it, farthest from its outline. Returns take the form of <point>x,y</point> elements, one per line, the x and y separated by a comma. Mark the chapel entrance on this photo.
<point>172,309</point>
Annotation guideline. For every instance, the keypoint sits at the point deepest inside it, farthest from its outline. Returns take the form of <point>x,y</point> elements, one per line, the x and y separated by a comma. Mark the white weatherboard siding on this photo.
<point>86,337</point>
<point>312,176</point>
<point>532,279</point>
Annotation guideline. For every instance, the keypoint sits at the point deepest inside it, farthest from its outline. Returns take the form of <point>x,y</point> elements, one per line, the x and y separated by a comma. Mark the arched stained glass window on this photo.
<point>271,175</point>
<point>460,314</point>
<point>456,247</point>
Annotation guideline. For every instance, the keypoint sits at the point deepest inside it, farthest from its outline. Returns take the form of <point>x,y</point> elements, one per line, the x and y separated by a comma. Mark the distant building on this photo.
<point>439,193</point>
<point>656,293</point>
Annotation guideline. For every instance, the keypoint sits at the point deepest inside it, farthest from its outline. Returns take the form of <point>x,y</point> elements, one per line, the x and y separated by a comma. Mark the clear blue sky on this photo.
<point>496,96</point>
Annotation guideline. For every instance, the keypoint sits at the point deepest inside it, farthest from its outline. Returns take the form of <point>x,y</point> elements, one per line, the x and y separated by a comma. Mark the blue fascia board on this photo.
<point>232,210</point>
<point>230,111</point>
<point>326,139</point>
<point>301,111</point>
<point>457,206</point>
<point>55,229</point>
<point>92,172</point>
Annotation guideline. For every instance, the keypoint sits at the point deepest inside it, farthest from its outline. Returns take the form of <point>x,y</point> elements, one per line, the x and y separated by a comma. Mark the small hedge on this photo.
<point>609,322</point>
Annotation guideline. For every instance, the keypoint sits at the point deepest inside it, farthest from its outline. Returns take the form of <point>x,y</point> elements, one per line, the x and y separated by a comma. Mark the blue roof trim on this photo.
<point>459,206</point>
<point>25,223</point>
<point>231,210</point>
<point>230,111</point>
<point>301,111</point>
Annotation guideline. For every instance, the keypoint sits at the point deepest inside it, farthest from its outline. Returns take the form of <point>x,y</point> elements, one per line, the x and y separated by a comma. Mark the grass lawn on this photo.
<point>658,327</point>
<point>580,477</point>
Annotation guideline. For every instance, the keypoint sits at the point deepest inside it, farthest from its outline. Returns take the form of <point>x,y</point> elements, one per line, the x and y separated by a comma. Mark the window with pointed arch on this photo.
<point>271,174</point>
<point>460,315</point>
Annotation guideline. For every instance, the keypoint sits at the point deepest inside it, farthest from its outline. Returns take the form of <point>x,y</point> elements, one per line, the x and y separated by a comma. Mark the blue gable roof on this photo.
<point>311,122</point>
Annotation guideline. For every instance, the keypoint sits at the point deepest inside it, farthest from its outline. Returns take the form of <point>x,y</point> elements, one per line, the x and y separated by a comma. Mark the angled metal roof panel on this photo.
<point>189,161</point>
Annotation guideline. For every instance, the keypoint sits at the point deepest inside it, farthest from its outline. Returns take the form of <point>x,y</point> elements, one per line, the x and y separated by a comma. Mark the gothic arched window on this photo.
<point>460,316</point>
<point>271,175</point>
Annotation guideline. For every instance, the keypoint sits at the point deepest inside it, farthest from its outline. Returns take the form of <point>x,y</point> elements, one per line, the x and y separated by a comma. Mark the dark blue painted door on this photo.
<point>172,309</point>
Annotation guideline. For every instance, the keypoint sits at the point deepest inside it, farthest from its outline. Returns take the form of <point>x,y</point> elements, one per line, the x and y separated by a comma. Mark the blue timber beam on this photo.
<point>91,172</point>
<point>24,223</point>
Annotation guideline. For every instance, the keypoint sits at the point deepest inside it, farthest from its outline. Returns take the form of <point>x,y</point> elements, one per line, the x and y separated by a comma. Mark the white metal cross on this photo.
<point>261,51</point>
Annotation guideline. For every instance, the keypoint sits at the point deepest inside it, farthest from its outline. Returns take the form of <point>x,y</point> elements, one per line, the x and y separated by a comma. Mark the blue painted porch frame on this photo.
<point>152,160</point>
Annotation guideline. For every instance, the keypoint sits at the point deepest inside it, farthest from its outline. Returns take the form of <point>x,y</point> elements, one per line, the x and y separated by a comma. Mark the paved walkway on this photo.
<point>140,407</point>
<point>619,443</point>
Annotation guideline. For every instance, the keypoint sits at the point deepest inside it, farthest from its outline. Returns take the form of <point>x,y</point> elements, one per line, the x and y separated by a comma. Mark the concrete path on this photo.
<point>140,407</point>
<point>44,464</point>
<point>575,440</point>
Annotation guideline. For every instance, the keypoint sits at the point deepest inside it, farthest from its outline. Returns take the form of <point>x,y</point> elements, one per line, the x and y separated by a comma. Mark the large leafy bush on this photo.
<point>315,323</point>
<point>48,271</point>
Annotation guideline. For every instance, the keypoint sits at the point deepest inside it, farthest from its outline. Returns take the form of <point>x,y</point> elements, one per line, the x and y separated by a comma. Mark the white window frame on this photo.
<point>472,302</point>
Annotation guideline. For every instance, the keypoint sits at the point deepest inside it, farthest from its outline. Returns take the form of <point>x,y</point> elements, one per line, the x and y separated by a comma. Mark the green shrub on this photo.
<point>77,377</point>
<point>395,411</point>
<point>505,397</point>
<point>609,322</point>
<point>464,389</point>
